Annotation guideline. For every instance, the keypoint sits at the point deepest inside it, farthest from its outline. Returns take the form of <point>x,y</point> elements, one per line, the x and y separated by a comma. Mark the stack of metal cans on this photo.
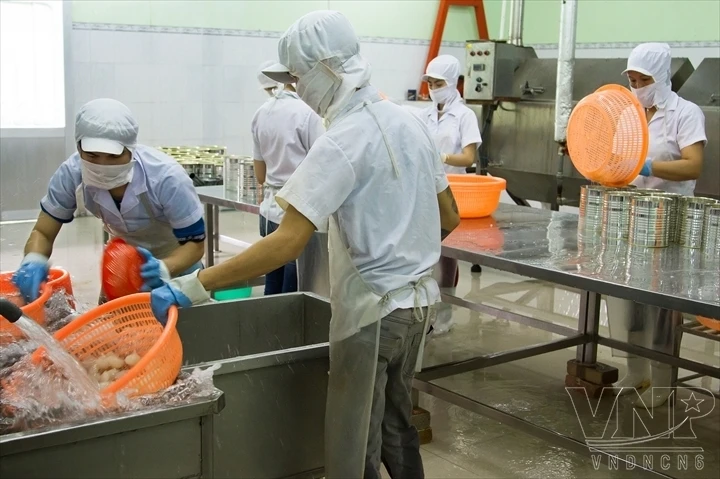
<point>711,230</point>
<point>591,206</point>
<point>692,220</point>
<point>650,221</point>
<point>616,214</point>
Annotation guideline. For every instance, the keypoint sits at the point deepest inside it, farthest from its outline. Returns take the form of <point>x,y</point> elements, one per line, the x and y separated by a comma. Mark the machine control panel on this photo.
<point>489,69</point>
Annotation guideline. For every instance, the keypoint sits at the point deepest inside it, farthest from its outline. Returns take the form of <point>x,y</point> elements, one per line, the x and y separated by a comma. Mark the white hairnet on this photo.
<point>265,81</point>
<point>653,59</point>
<point>105,125</point>
<point>325,36</point>
<point>443,67</point>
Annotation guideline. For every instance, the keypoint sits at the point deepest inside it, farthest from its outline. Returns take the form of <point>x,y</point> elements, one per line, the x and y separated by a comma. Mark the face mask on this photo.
<point>318,86</point>
<point>106,177</point>
<point>646,95</point>
<point>441,96</point>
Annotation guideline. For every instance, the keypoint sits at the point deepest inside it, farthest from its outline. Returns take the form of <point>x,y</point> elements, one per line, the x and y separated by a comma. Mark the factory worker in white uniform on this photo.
<point>677,137</point>
<point>141,195</point>
<point>283,130</point>
<point>454,128</point>
<point>375,181</point>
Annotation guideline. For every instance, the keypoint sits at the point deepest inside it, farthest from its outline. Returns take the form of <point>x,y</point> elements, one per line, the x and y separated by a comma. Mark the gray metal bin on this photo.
<point>273,357</point>
<point>168,443</point>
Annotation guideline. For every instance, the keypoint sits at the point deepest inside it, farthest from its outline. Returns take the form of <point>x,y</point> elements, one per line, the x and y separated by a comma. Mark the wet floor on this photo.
<point>466,444</point>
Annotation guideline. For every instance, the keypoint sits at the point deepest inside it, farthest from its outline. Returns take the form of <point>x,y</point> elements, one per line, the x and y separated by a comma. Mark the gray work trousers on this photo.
<point>392,438</point>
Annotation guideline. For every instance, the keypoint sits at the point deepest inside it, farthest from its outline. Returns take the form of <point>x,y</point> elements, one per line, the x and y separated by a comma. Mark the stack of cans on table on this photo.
<point>693,214</point>
<point>204,164</point>
<point>649,217</point>
<point>650,221</point>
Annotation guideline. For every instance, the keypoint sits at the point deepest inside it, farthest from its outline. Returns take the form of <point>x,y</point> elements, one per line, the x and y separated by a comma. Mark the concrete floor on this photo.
<point>465,444</point>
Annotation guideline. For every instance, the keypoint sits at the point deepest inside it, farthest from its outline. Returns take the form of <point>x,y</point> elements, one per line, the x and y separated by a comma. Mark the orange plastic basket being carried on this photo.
<point>122,327</point>
<point>476,196</point>
<point>121,269</point>
<point>607,136</point>
<point>34,310</point>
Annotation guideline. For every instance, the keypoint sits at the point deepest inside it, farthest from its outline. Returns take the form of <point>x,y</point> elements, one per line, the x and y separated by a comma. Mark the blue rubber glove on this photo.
<point>647,168</point>
<point>33,272</point>
<point>182,292</point>
<point>154,272</point>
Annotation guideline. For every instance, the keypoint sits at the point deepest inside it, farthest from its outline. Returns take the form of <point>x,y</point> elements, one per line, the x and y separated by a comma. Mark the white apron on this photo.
<point>353,356</point>
<point>269,208</point>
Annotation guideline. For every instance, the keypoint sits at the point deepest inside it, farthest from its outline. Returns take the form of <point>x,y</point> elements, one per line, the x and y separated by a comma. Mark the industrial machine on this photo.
<point>513,94</point>
<point>703,89</point>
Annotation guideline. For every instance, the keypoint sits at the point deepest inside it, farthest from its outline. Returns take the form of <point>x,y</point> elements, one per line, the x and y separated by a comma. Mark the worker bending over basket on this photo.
<point>141,195</point>
<point>283,130</point>
<point>454,128</point>
<point>677,139</point>
<point>375,181</point>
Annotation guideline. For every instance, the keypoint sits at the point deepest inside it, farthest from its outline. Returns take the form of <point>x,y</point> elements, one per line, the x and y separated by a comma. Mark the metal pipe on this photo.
<point>511,25</point>
<point>517,8</point>
<point>503,20</point>
<point>565,68</point>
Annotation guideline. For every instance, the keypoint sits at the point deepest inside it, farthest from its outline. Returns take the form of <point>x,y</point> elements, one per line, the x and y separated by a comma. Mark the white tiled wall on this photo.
<point>202,89</point>
<point>196,88</point>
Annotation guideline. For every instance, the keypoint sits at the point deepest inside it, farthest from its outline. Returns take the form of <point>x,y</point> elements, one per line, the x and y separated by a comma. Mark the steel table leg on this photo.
<point>216,220</point>
<point>209,237</point>
<point>589,324</point>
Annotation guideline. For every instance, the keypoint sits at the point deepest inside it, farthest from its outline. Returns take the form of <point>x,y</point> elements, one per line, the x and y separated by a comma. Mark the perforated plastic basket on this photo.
<point>121,269</point>
<point>35,310</point>
<point>122,327</point>
<point>607,136</point>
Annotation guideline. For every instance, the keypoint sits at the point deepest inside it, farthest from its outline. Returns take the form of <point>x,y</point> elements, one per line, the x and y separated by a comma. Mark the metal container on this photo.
<point>692,220</point>
<point>191,165</point>
<point>231,173</point>
<point>711,230</point>
<point>591,204</point>
<point>247,184</point>
<point>674,230</point>
<point>174,442</point>
<point>273,357</point>
<point>650,221</point>
<point>213,149</point>
<point>616,214</point>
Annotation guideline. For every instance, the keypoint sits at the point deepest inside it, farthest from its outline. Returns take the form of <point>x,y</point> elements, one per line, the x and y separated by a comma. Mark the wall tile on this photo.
<point>212,114</point>
<point>83,82</point>
<point>134,47</point>
<point>232,116</point>
<point>233,49</point>
<point>143,113</point>
<point>192,121</point>
<point>103,80</point>
<point>212,50</point>
<point>103,45</point>
<point>135,83</point>
<point>212,83</point>
<point>167,122</point>
<point>80,46</point>
<point>177,49</point>
<point>235,79</point>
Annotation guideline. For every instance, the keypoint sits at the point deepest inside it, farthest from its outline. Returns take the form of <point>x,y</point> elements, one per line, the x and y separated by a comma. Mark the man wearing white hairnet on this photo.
<point>283,130</point>
<point>676,131</point>
<point>141,195</point>
<point>376,183</point>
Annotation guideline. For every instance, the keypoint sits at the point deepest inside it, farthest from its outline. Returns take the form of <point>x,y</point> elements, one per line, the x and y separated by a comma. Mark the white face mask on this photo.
<point>646,95</point>
<point>318,86</point>
<point>107,177</point>
<point>441,96</point>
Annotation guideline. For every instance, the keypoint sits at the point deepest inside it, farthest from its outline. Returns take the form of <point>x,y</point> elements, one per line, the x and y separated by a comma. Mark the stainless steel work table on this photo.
<point>215,197</point>
<point>546,246</point>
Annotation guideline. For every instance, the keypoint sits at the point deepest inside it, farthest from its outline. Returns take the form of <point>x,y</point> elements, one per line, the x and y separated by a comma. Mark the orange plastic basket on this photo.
<point>607,136</point>
<point>476,196</point>
<point>124,326</point>
<point>121,269</point>
<point>709,322</point>
<point>59,279</point>
<point>34,310</point>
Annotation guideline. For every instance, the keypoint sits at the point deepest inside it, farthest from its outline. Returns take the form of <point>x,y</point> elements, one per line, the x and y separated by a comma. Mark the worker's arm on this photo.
<point>464,159</point>
<point>43,235</point>
<point>184,257</point>
<point>449,216</point>
<point>688,167</point>
<point>260,171</point>
<point>268,254</point>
